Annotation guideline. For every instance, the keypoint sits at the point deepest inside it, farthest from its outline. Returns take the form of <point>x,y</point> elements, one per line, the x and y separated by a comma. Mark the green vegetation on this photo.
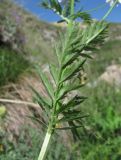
<point>12,64</point>
<point>100,139</point>
<point>27,149</point>
<point>101,134</point>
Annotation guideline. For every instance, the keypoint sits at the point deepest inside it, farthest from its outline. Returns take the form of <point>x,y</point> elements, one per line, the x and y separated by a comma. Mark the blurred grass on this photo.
<point>101,138</point>
<point>12,65</point>
<point>28,147</point>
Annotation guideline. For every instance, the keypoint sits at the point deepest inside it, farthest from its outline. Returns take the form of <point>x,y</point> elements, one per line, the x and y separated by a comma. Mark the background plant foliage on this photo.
<point>101,137</point>
<point>12,64</point>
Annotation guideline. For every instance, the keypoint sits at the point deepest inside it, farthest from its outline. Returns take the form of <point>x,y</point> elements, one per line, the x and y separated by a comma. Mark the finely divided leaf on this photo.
<point>74,131</point>
<point>71,104</point>
<point>94,33</point>
<point>54,73</point>
<point>53,5</point>
<point>71,70</point>
<point>46,82</point>
<point>68,88</point>
<point>71,117</point>
<point>44,103</point>
<point>67,128</point>
<point>38,120</point>
<point>87,39</point>
<point>83,15</point>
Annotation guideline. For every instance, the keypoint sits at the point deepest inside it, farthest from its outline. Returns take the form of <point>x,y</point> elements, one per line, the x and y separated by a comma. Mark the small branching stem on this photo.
<point>109,11</point>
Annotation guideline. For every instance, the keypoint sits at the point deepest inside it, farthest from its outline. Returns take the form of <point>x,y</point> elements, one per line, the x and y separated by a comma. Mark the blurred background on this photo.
<point>27,34</point>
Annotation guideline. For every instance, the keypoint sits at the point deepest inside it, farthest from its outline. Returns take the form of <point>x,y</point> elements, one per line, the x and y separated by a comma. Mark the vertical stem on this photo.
<point>72,7</point>
<point>71,13</point>
<point>45,146</point>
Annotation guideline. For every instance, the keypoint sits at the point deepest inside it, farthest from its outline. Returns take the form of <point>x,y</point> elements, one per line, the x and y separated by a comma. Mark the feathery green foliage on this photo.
<point>71,55</point>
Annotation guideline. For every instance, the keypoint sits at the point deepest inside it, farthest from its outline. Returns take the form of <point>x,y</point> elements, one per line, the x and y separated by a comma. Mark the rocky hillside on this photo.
<point>22,28</point>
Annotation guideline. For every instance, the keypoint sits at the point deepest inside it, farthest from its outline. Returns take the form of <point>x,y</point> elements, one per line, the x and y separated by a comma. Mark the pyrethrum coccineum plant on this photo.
<point>71,54</point>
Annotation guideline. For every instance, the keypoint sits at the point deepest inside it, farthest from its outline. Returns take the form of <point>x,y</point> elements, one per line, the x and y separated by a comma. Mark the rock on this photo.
<point>112,75</point>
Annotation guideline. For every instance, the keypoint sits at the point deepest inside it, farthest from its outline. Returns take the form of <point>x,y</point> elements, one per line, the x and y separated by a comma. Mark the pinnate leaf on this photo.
<point>46,82</point>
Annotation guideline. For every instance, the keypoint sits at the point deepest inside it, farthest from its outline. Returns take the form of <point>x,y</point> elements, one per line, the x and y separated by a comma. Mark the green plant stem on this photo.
<point>71,13</point>
<point>45,146</point>
<point>72,7</point>
<point>64,18</point>
<point>109,11</point>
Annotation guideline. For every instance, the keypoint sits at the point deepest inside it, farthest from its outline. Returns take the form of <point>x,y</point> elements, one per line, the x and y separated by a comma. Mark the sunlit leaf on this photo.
<point>68,88</point>
<point>71,70</point>
<point>45,104</point>
<point>54,72</point>
<point>46,82</point>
